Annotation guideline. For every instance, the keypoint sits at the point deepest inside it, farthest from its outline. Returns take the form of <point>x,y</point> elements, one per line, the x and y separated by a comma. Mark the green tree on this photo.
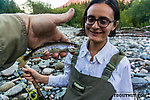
<point>9,6</point>
<point>138,15</point>
<point>39,7</point>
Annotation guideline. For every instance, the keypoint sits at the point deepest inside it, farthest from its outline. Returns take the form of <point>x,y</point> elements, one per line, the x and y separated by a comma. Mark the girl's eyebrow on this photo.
<point>91,16</point>
<point>101,17</point>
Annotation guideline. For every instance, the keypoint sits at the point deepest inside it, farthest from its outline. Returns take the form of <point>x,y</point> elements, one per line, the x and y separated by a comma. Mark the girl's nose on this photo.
<point>95,25</point>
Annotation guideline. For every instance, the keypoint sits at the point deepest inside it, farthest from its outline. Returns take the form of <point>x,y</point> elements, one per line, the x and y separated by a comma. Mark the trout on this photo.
<point>51,47</point>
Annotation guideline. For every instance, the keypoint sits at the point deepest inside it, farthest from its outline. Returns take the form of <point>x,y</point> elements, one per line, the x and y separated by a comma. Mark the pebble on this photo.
<point>139,75</point>
<point>59,66</point>
<point>46,88</point>
<point>148,68</point>
<point>3,97</point>
<point>148,78</point>
<point>16,89</point>
<point>47,71</point>
<point>147,62</point>
<point>10,70</point>
<point>144,71</point>
<point>139,82</point>
<point>6,86</point>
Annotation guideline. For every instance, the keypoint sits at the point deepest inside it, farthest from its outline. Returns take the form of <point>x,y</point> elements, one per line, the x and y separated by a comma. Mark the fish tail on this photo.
<point>22,61</point>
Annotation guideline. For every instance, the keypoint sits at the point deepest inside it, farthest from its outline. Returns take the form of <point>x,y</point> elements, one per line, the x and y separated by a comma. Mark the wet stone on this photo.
<point>139,75</point>
<point>14,90</point>
<point>139,82</point>
<point>10,70</point>
<point>145,57</point>
<point>47,71</point>
<point>3,97</point>
<point>59,66</point>
<point>148,68</point>
<point>147,62</point>
<point>36,67</point>
<point>144,71</point>
<point>6,86</point>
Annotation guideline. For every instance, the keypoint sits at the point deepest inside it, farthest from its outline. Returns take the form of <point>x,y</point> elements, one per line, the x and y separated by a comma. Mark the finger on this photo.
<point>64,38</point>
<point>29,78</point>
<point>59,36</point>
<point>25,70</point>
<point>63,54</point>
<point>45,56</point>
<point>26,75</point>
<point>62,18</point>
<point>55,55</point>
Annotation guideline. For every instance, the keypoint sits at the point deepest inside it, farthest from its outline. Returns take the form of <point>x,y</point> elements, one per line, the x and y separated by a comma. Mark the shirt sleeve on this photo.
<point>13,39</point>
<point>62,80</point>
<point>124,88</point>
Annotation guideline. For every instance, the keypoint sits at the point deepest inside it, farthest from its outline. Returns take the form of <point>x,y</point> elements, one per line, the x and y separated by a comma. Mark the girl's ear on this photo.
<point>115,25</point>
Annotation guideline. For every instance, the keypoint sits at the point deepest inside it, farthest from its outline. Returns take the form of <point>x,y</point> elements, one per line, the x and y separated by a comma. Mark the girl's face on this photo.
<point>96,31</point>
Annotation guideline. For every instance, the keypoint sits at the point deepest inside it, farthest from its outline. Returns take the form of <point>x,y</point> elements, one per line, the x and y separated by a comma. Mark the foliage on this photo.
<point>76,21</point>
<point>138,15</point>
<point>133,14</point>
<point>9,6</point>
<point>39,7</point>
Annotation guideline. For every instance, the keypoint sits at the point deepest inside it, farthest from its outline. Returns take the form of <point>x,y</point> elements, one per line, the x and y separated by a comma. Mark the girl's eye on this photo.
<point>103,22</point>
<point>91,19</point>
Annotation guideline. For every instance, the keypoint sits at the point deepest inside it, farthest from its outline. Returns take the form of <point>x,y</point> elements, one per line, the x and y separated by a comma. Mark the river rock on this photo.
<point>59,66</point>
<point>145,57</point>
<point>10,70</point>
<point>136,70</point>
<point>144,71</point>
<point>148,68</point>
<point>15,98</point>
<point>139,75</point>
<point>3,97</point>
<point>139,82</point>
<point>46,88</point>
<point>133,45</point>
<point>6,86</point>
<point>47,71</point>
<point>147,78</point>
<point>147,62</point>
<point>42,66</point>
<point>15,90</point>
<point>24,95</point>
<point>36,67</point>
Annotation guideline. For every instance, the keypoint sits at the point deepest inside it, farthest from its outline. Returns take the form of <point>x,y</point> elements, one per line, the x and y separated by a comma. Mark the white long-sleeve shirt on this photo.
<point>120,78</point>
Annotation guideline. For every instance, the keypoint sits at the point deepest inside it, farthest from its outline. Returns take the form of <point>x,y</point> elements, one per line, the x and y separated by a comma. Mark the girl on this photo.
<point>99,70</point>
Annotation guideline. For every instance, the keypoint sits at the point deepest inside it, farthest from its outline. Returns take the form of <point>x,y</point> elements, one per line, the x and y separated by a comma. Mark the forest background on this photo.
<point>133,14</point>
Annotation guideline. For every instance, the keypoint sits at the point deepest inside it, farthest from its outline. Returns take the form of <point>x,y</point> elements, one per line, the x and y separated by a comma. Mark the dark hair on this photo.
<point>113,4</point>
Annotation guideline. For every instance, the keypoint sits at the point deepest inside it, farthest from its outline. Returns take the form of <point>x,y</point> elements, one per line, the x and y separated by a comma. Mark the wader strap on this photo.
<point>113,63</point>
<point>74,59</point>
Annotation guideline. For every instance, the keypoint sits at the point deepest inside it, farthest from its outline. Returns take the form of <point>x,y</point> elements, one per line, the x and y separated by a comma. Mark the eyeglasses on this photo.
<point>103,22</point>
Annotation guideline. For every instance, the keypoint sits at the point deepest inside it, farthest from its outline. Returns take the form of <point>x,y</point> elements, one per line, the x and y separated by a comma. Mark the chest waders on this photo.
<point>85,87</point>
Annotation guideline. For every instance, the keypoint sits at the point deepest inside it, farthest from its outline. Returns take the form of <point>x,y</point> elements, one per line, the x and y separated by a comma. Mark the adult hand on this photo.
<point>38,77</point>
<point>41,28</point>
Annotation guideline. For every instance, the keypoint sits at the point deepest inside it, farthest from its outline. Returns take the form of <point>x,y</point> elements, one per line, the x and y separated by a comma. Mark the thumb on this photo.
<point>63,18</point>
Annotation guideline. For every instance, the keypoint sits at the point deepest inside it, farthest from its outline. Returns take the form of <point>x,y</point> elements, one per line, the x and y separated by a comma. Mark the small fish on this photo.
<point>51,47</point>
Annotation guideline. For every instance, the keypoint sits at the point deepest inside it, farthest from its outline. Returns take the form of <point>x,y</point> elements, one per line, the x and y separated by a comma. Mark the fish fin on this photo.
<point>36,57</point>
<point>21,61</point>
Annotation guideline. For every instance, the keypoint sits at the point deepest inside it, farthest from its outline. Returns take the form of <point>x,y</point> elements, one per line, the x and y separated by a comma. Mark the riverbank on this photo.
<point>137,50</point>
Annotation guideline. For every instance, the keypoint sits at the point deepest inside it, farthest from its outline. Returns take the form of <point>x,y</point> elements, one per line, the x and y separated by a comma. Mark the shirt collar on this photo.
<point>103,53</point>
<point>83,49</point>
<point>100,56</point>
